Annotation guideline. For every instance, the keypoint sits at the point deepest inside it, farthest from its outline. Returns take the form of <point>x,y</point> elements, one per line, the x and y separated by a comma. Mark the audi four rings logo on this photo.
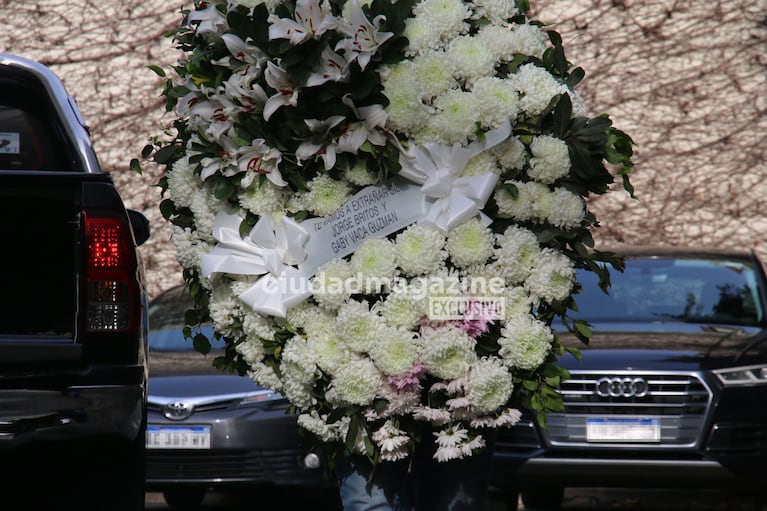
<point>622,386</point>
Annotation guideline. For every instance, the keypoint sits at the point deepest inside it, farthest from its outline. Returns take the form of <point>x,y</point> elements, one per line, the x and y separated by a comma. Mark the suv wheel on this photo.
<point>549,499</point>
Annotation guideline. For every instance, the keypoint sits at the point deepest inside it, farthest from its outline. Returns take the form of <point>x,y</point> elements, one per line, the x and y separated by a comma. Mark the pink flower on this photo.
<point>411,381</point>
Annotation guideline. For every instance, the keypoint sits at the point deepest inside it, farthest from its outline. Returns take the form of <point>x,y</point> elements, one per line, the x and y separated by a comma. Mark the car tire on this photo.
<point>184,497</point>
<point>543,499</point>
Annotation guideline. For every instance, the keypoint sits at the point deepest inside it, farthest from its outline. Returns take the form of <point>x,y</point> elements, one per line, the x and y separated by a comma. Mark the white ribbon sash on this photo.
<point>449,198</point>
<point>373,212</point>
<point>270,249</point>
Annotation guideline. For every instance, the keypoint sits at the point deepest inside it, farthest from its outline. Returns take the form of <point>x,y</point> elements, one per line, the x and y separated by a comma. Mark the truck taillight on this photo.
<point>111,286</point>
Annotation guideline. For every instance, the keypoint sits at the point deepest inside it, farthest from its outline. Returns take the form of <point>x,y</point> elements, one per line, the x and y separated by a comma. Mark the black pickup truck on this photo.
<point>73,367</point>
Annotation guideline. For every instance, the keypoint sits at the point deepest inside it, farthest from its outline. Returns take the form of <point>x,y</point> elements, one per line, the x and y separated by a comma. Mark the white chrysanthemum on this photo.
<point>516,252</point>
<point>251,349</point>
<point>497,99</point>
<point>470,59</point>
<point>506,41</point>
<point>569,209</point>
<point>358,174</point>
<point>470,243</point>
<point>224,309</point>
<point>422,36</point>
<point>432,74</point>
<point>392,442</point>
<point>525,343</point>
<point>402,309</point>
<point>374,264</point>
<point>298,351</point>
<point>455,119</point>
<point>189,247</point>
<point>330,285</point>
<point>406,111</point>
<point>398,402</point>
<point>498,11</point>
<point>505,419</point>
<point>446,17</point>
<point>420,250</point>
<point>448,353</point>
<point>442,287</point>
<point>326,195</point>
<point>205,206</point>
<point>263,198</point>
<point>318,425</point>
<point>359,327</point>
<point>183,183</point>
<point>356,382</point>
<point>310,317</point>
<point>396,351</point>
<point>532,202</point>
<point>265,376</point>
<point>479,164</point>
<point>298,368</point>
<point>511,154</point>
<point>449,443</point>
<point>517,303</point>
<point>256,325</point>
<point>551,159</point>
<point>489,385</point>
<point>537,87</point>
<point>552,276</point>
<point>436,416</point>
<point>329,350</point>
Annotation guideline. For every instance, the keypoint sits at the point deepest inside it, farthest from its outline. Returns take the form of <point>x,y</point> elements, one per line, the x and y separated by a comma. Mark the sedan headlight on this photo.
<point>743,376</point>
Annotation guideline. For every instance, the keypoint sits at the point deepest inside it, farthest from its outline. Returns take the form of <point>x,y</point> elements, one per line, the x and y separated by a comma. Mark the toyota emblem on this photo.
<point>177,410</point>
<point>622,386</point>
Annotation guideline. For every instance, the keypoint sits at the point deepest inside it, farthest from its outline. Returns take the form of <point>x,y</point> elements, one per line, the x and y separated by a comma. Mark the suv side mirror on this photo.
<point>140,225</point>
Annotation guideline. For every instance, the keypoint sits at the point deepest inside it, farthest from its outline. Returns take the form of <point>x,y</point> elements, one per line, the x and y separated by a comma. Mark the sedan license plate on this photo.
<point>177,437</point>
<point>622,430</point>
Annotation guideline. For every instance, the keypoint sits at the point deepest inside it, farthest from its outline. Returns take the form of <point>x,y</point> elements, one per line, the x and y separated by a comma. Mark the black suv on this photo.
<point>73,361</point>
<point>671,391</point>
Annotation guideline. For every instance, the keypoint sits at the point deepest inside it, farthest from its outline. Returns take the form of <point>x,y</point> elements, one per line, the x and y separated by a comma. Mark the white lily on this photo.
<point>363,37</point>
<point>286,87</point>
<point>244,51</point>
<point>318,143</point>
<point>243,87</point>
<point>259,158</point>
<point>331,68</point>
<point>209,20</point>
<point>312,20</point>
<point>372,120</point>
<point>224,163</point>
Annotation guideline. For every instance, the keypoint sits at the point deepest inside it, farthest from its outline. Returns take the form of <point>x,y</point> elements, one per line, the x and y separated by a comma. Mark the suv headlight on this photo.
<point>743,376</point>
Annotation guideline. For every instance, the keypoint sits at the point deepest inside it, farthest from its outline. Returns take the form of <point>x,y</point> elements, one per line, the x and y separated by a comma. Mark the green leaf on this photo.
<point>562,114</point>
<point>158,70</point>
<point>167,209</point>
<point>582,328</point>
<point>201,343</point>
<point>135,165</point>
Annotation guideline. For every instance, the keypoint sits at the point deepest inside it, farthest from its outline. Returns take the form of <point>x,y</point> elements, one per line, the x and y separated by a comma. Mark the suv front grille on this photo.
<point>678,400</point>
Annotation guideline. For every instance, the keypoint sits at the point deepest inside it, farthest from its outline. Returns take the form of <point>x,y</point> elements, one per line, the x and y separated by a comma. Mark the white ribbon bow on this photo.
<point>449,198</point>
<point>270,250</point>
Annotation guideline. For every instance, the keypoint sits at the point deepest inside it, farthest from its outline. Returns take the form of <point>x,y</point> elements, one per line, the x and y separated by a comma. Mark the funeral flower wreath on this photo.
<point>380,205</point>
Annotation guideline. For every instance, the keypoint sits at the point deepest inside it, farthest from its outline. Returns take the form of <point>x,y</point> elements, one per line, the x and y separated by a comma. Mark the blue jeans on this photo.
<point>423,485</point>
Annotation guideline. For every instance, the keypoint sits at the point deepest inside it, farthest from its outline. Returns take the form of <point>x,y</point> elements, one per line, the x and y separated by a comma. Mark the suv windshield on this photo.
<point>673,289</point>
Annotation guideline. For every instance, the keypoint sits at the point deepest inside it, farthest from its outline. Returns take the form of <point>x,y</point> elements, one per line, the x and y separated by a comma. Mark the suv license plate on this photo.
<point>622,430</point>
<point>177,437</point>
